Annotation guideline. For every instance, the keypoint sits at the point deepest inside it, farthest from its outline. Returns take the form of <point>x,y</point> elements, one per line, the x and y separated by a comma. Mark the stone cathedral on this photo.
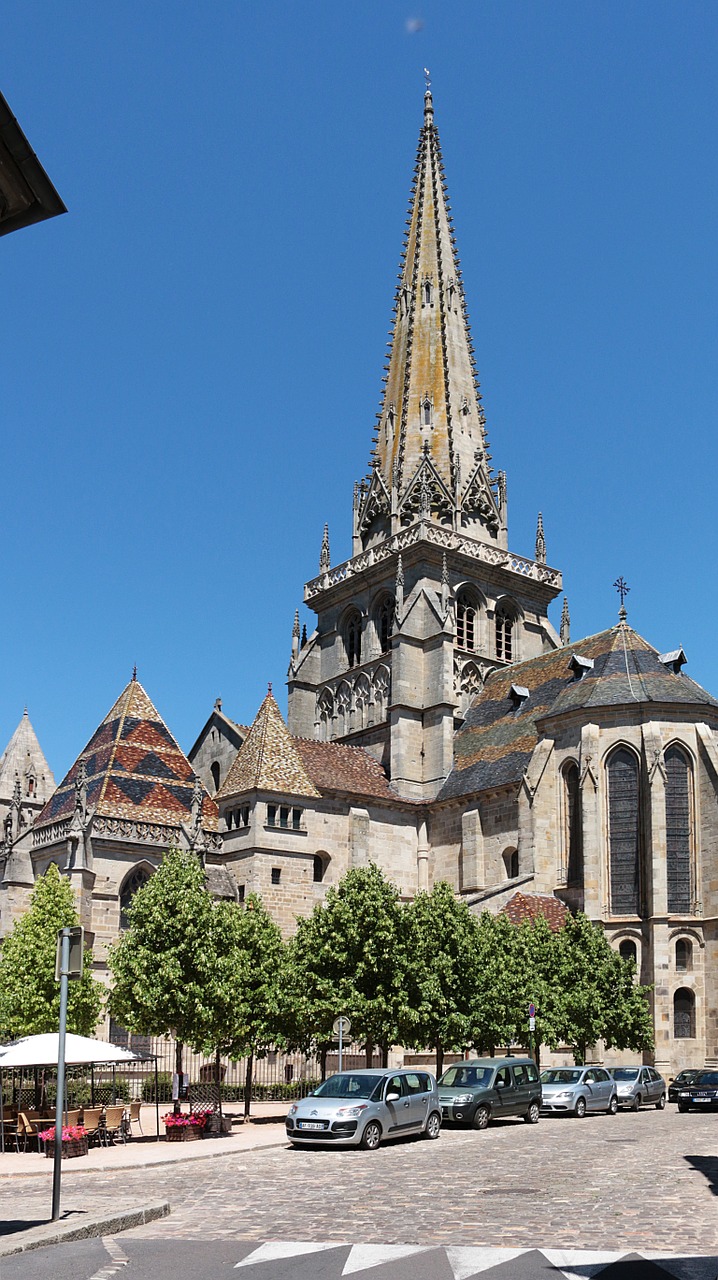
<point>437,724</point>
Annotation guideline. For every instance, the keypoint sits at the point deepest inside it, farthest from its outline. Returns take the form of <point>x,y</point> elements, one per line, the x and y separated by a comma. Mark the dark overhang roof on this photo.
<point>26,193</point>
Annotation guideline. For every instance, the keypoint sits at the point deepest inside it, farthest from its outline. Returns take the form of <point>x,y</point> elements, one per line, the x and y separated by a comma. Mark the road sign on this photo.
<point>532,1024</point>
<point>77,950</point>
<point>342,1026</point>
<point>532,1010</point>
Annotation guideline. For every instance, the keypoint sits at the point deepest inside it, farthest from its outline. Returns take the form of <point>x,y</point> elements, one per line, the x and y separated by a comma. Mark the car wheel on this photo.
<point>661,1102</point>
<point>580,1109</point>
<point>481,1118</point>
<point>433,1126</point>
<point>533,1113</point>
<point>371,1136</point>
<point>613,1106</point>
<point>636,1104</point>
<point>683,1106</point>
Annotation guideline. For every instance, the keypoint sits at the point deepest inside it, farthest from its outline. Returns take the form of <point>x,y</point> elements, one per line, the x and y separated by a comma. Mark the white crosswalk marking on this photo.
<point>579,1264</point>
<point>286,1249</point>
<point>466,1262</point>
<point>364,1256</point>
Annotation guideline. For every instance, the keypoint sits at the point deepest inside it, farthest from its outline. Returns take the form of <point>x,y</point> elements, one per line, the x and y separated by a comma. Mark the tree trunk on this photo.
<point>385,1055</point>
<point>439,1058</point>
<point>323,1062</point>
<point>218,1084</point>
<point>179,1053</point>
<point>248,1085</point>
<point>369,1053</point>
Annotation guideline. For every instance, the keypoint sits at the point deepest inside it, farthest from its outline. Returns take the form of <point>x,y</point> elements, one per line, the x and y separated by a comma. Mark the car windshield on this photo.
<point>684,1076</point>
<point>706,1077</point>
<point>560,1076</point>
<point>348,1085</point>
<point>466,1077</point>
<point>625,1073</point>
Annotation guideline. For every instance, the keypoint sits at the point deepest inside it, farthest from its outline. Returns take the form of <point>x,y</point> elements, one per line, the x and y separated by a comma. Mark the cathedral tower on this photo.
<point>432,599</point>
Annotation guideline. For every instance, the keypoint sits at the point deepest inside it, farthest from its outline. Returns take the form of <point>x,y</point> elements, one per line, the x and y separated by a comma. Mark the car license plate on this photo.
<point>310,1124</point>
<point>702,1097</point>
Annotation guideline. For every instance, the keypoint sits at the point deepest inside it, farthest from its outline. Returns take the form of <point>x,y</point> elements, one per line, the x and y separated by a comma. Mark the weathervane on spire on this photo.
<point>623,589</point>
<point>427,77</point>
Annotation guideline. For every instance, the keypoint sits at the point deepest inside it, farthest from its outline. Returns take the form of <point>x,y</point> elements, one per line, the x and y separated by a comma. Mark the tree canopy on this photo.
<point>29,994</point>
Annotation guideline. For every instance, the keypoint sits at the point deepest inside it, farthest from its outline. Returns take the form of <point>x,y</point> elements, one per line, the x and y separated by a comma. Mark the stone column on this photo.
<point>422,857</point>
<point>472,852</point>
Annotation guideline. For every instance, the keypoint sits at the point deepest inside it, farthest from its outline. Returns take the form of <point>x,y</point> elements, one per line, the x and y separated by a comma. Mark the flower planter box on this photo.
<point>70,1147</point>
<point>183,1132</point>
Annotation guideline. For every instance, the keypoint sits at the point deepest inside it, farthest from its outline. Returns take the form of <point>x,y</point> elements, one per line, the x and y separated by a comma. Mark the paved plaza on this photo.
<point>643,1183</point>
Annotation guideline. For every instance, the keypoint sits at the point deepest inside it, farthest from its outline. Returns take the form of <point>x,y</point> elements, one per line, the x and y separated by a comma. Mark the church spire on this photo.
<point>431,393</point>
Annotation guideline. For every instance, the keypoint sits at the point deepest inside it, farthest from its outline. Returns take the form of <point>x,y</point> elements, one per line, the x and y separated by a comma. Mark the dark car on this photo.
<point>483,1089</point>
<point>701,1094</point>
<point>681,1080</point>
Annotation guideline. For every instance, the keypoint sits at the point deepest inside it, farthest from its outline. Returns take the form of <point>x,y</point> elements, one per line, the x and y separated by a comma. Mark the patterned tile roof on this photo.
<point>529,906</point>
<point>332,766</point>
<point>268,759</point>
<point>134,769</point>
<point>496,741</point>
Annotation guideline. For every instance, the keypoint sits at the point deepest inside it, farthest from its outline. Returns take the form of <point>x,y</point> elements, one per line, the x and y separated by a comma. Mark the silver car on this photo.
<point>638,1085</point>
<point>359,1108</point>
<point>576,1090</point>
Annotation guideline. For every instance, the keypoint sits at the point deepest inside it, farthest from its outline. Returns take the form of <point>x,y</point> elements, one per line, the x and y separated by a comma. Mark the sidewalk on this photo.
<point>87,1212</point>
<point>265,1129</point>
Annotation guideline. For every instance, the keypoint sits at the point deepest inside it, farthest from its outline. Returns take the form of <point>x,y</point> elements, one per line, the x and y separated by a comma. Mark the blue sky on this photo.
<point>191,358</point>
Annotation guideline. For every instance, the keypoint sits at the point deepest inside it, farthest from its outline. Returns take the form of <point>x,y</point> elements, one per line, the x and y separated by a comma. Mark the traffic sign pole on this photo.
<point>64,941</point>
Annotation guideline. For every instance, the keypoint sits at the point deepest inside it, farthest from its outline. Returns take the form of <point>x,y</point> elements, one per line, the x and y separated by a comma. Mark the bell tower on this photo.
<point>431,599</point>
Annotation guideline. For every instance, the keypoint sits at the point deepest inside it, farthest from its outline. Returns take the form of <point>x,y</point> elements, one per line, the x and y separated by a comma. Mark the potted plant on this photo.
<point>74,1141</point>
<point>184,1128</point>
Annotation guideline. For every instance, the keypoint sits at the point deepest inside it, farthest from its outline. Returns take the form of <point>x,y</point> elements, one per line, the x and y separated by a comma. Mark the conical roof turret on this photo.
<point>430,457</point>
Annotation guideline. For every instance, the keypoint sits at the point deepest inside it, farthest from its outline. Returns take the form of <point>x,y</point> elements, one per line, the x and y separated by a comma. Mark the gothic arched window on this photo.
<point>624,832</point>
<point>385,623</point>
<point>684,1014</point>
<point>678,830</point>
<point>214,770</point>
<point>684,956</point>
<point>511,863</point>
<point>426,412</point>
<point>504,635</point>
<point>573,833</point>
<point>628,950</point>
<point>467,631</point>
<point>427,292</point>
<point>137,879</point>
<point>352,638</point>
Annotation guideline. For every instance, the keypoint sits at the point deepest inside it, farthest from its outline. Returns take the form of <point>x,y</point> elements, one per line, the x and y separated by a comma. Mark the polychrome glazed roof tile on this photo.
<point>496,741</point>
<point>268,759</point>
<point>134,769</point>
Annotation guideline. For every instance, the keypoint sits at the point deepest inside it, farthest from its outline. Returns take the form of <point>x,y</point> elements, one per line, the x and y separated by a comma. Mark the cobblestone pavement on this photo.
<point>643,1182</point>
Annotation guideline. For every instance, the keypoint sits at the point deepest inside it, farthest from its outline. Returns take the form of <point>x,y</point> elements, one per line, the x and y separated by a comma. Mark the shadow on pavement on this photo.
<point>707,1165</point>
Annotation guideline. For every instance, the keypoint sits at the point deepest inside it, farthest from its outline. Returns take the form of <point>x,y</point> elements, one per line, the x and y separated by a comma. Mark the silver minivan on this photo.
<point>359,1108</point>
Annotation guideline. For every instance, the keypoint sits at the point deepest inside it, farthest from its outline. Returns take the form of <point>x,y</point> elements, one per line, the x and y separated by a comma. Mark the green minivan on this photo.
<point>482,1089</point>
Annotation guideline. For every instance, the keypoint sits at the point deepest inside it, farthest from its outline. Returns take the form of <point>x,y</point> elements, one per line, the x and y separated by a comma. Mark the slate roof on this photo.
<point>23,755</point>
<point>529,906</point>
<point>496,741</point>
<point>332,766</point>
<point>268,759</point>
<point>221,882</point>
<point>134,769</point>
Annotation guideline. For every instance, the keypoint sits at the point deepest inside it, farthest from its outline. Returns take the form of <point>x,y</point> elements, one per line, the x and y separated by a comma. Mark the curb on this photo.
<point>154,1164</point>
<point>93,1225</point>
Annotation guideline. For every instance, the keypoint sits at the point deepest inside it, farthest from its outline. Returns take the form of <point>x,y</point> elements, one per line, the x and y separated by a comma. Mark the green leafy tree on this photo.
<point>442,938</point>
<point>348,958</point>
<point>248,986</point>
<point>163,967</point>
<point>29,994</point>
<point>498,983</point>
<point>600,998</point>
